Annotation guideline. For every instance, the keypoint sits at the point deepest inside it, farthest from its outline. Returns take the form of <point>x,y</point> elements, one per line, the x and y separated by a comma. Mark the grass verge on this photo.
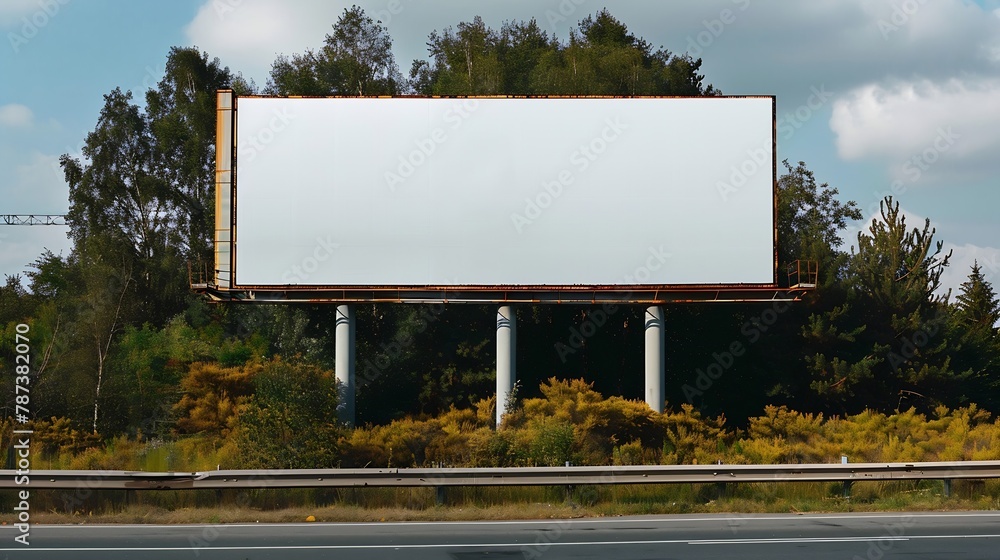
<point>497,503</point>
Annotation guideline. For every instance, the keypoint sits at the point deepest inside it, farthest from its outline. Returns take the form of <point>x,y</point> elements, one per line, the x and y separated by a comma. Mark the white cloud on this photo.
<point>962,256</point>
<point>32,183</point>
<point>247,35</point>
<point>11,11</point>
<point>20,246</point>
<point>920,127</point>
<point>839,43</point>
<point>15,115</point>
<point>962,259</point>
<point>833,42</point>
<point>36,184</point>
<point>872,213</point>
<point>903,118</point>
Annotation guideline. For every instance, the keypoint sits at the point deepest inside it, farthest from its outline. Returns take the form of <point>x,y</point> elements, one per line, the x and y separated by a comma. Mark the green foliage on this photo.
<point>889,343</point>
<point>141,204</point>
<point>181,114</point>
<point>356,59</point>
<point>280,427</point>
<point>142,197</point>
<point>788,436</point>
<point>289,421</point>
<point>895,266</point>
<point>973,323</point>
<point>59,435</point>
<point>120,348</point>
<point>810,219</point>
<point>552,442</point>
<point>978,306</point>
<point>571,424</point>
<point>691,439</point>
<point>631,453</point>
<point>452,438</point>
<point>16,303</point>
<point>148,367</point>
<point>601,58</point>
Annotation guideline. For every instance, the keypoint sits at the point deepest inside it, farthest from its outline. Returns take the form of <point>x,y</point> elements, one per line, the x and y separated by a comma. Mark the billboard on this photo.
<point>497,193</point>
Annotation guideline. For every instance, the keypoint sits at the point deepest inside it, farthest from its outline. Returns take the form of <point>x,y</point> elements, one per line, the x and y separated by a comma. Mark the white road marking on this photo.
<point>744,519</point>
<point>795,540</point>
<point>501,545</point>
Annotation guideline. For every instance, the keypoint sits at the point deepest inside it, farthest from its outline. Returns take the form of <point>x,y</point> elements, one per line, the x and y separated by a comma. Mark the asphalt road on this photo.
<point>918,536</point>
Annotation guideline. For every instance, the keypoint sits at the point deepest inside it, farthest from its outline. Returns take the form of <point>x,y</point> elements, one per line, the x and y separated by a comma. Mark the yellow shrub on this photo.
<point>212,395</point>
<point>57,436</point>
<point>764,451</point>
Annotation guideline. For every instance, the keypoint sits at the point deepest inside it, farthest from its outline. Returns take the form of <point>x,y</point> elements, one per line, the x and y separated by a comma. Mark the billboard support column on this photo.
<point>506,357</point>
<point>344,367</point>
<point>655,358</point>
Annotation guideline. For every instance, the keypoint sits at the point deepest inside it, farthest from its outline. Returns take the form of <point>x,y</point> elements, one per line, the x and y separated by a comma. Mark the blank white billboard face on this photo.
<point>504,192</point>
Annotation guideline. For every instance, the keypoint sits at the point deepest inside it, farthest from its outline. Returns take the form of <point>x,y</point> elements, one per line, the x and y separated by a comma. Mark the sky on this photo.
<point>877,97</point>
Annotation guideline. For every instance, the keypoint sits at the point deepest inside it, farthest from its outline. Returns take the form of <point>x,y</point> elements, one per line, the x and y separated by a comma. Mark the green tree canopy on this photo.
<point>810,221</point>
<point>181,113</point>
<point>977,302</point>
<point>601,58</point>
<point>356,59</point>
<point>892,343</point>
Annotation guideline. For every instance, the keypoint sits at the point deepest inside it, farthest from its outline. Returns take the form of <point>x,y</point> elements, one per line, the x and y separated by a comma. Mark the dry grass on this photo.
<point>585,502</point>
<point>147,514</point>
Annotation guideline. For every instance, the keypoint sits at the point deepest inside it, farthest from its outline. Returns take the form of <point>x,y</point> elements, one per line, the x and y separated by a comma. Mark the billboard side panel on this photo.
<point>223,188</point>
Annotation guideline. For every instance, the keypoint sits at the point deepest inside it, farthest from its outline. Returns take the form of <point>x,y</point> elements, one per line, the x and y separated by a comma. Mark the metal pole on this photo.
<point>344,368</point>
<point>655,358</point>
<point>506,357</point>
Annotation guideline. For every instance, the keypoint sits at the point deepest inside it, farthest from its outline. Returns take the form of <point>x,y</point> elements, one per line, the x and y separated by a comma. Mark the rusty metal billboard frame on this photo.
<point>224,286</point>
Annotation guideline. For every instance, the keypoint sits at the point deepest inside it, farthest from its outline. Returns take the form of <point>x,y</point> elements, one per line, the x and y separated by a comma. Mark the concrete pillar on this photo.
<point>344,367</point>
<point>655,358</point>
<point>506,357</point>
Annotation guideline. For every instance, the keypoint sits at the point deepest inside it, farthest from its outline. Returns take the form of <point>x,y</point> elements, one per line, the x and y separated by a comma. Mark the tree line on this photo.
<point>122,347</point>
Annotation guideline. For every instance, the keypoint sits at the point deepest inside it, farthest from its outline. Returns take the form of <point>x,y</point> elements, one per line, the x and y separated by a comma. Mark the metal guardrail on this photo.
<point>540,476</point>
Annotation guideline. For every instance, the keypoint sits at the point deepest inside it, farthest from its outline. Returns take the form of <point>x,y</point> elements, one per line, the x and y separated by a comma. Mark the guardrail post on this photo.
<point>847,489</point>
<point>440,495</point>
<point>506,357</point>
<point>655,359</point>
<point>344,366</point>
<point>947,488</point>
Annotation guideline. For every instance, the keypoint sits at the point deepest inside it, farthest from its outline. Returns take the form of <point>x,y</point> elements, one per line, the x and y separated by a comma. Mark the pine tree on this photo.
<point>891,345</point>
<point>977,302</point>
<point>973,319</point>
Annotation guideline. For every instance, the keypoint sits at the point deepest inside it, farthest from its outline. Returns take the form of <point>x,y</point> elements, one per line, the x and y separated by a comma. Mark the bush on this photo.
<point>290,421</point>
<point>551,443</point>
<point>57,435</point>
<point>211,397</point>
